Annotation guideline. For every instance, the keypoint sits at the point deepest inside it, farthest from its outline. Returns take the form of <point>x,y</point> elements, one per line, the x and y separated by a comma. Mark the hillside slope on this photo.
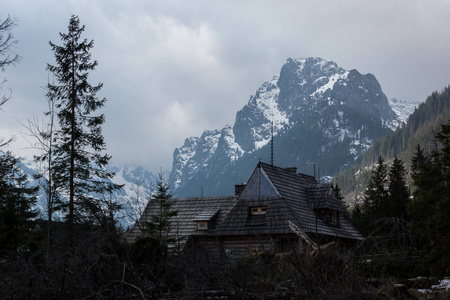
<point>419,129</point>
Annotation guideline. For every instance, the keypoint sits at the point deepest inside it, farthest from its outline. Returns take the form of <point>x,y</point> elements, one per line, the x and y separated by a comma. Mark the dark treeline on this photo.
<point>408,227</point>
<point>422,232</point>
<point>403,196</point>
<point>419,129</point>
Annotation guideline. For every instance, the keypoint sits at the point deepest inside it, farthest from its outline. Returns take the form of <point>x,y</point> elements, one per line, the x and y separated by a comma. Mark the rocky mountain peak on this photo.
<point>314,106</point>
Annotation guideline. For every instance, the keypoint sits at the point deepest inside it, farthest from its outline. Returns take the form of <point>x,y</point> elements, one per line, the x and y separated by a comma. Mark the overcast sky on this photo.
<point>172,69</point>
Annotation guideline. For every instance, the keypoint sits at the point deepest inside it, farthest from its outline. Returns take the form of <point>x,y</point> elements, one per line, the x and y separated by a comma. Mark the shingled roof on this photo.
<point>288,196</point>
<point>290,199</point>
<point>190,211</point>
<point>322,196</point>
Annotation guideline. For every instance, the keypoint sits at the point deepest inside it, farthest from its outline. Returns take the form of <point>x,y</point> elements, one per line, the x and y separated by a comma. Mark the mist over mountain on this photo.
<point>322,116</point>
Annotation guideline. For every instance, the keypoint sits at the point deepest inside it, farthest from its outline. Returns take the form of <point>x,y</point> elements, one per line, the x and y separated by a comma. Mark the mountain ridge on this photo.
<point>311,102</point>
<point>307,103</point>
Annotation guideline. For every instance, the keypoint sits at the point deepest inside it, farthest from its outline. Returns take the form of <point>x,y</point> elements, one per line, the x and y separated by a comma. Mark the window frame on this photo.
<point>330,216</point>
<point>253,250</point>
<point>200,223</point>
<point>260,210</point>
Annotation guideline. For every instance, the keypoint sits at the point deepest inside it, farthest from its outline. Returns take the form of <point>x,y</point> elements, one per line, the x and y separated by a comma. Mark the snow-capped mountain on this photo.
<point>322,115</point>
<point>403,109</point>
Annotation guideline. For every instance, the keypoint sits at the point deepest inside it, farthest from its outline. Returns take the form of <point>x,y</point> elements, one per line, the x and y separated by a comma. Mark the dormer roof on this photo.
<point>289,197</point>
<point>207,214</point>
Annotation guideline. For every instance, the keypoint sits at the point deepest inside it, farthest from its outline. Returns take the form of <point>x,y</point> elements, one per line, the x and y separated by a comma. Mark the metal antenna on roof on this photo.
<point>259,184</point>
<point>271,147</point>
<point>314,167</point>
<point>319,174</point>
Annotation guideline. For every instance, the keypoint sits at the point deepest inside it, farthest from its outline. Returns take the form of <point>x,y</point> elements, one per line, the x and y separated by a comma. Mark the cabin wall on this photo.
<point>241,246</point>
<point>228,249</point>
<point>238,247</point>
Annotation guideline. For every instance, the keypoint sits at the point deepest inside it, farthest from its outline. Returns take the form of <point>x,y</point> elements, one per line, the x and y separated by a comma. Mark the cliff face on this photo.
<point>321,114</point>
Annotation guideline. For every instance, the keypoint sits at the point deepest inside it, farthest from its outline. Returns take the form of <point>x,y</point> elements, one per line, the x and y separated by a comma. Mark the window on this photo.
<point>331,217</point>
<point>202,225</point>
<point>253,250</point>
<point>258,210</point>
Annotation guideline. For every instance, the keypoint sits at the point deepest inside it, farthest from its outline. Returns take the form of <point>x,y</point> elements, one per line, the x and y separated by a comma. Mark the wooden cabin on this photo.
<point>277,210</point>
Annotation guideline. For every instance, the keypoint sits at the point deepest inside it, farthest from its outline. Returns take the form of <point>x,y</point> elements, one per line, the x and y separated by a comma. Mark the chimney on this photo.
<point>292,169</point>
<point>239,188</point>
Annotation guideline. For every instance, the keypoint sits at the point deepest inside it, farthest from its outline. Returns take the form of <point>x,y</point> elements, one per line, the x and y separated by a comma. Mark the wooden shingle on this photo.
<point>212,209</point>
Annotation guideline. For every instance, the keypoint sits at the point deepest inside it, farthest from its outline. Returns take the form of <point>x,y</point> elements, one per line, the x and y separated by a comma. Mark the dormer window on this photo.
<point>202,225</point>
<point>258,210</point>
<point>205,218</point>
<point>256,216</point>
<point>331,217</point>
<point>253,250</point>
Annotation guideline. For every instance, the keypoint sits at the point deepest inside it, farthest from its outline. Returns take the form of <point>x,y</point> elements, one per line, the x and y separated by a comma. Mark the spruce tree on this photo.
<point>376,196</point>
<point>443,136</point>
<point>17,199</point>
<point>417,163</point>
<point>159,227</point>
<point>398,200</point>
<point>79,161</point>
<point>430,208</point>
<point>338,193</point>
<point>422,207</point>
<point>398,190</point>
<point>440,226</point>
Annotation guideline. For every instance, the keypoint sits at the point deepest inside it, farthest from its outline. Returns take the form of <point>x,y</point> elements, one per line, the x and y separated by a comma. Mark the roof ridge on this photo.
<point>318,185</point>
<point>204,198</point>
<point>285,169</point>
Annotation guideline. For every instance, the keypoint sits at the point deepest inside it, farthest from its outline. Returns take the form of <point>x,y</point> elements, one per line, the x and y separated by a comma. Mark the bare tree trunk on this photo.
<point>43,133</point>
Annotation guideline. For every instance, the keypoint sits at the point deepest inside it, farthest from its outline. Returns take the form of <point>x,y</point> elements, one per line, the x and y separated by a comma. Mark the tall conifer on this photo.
<point>398,190</point>
<point>430,207</point>
<point>376,196</point>
<point>160,225</point>
<point>79,164</point>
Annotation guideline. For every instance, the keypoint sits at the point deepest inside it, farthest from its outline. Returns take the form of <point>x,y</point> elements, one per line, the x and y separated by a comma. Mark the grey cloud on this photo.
<point>174,68</point>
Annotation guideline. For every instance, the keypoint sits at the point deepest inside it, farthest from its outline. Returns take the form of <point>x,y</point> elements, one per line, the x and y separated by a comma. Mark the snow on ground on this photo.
<point>443,284</point>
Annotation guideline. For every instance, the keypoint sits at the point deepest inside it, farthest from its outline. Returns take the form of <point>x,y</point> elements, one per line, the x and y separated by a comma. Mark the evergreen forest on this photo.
<point>420,129</point>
